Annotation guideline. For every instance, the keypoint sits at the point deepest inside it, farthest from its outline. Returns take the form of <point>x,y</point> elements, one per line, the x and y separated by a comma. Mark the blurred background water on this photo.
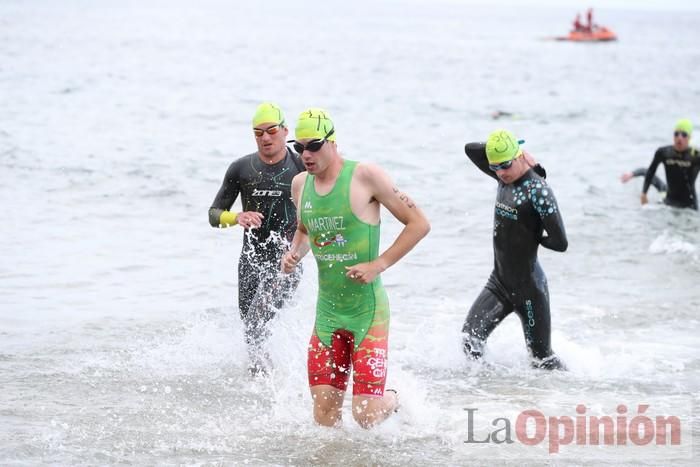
<point>119,335</point>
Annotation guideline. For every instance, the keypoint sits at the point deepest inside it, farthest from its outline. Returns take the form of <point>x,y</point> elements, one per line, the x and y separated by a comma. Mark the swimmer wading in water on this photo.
<point>682,164</point>
<point>525,209</point>
<point>263,179</point>
<point>338,202</point>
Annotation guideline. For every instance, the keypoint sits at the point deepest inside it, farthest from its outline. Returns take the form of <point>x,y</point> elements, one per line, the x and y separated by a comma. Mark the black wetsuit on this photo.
<point>524,209</point>
<point>681,172</point>
<point>265,189</point>
<point>655,181</point>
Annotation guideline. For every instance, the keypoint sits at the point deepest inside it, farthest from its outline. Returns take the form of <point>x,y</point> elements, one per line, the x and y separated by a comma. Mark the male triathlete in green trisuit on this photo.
<point>338,205</point>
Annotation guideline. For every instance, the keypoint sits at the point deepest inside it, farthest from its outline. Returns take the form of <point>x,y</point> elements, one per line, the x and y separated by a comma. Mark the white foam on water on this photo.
<point>669,243</point>
<point>201,344</point>
<point>120,339</point>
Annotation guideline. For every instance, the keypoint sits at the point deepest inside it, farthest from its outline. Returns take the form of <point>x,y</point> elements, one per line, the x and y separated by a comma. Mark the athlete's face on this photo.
<point>317,161</point>
<point>514,172</point>
<point>681,140</point>
<point>270,138</point>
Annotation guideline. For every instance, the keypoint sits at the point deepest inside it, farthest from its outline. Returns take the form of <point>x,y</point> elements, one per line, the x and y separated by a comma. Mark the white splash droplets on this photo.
<point>668,243</point>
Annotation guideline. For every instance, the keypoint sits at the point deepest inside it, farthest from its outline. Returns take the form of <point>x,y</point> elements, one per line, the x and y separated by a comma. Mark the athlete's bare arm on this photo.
<point>380,189</point>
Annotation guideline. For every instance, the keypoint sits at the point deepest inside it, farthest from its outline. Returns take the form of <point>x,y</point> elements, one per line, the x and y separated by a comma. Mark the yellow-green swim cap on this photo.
<point>684,125</point>
<point>501,146</point>
<point>314,123</point>
<point>267,112</point>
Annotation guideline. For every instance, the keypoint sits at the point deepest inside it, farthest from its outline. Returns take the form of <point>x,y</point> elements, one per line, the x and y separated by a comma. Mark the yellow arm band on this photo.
<point>228,218</point>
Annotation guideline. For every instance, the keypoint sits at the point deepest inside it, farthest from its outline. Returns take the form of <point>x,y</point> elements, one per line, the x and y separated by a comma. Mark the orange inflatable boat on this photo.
<point>600,34</point>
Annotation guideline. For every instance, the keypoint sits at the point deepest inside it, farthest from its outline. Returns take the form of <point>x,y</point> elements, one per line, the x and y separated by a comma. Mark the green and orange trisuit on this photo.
<point>352,319</point>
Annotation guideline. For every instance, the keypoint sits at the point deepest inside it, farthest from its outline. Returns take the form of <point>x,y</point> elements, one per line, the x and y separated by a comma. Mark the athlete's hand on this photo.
<point>289,262</point>
<point>626,177</point>
<point>644,198</point>
<point>250,219</point>
<point>363,273</point>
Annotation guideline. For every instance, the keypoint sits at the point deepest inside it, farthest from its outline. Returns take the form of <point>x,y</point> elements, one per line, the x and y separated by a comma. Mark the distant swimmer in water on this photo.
<point>264,180</point>
<point>339,205</point>
<point>682,164</point>
<point>498,114</point>
<point>525,209</point>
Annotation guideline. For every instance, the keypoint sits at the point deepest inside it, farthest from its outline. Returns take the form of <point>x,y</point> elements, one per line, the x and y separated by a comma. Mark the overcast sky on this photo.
<point>690,5</point>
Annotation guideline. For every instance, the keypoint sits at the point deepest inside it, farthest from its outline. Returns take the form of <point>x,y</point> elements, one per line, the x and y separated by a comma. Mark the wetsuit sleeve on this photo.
<point>297,161</point>
<point>651,171</point>
<point>695,158</point>
<point>539,170</point>
<point>544,202</point>
<point>477,153</point>
<point>696,165</point>
<point>226,196</point>
<point>656,181</point>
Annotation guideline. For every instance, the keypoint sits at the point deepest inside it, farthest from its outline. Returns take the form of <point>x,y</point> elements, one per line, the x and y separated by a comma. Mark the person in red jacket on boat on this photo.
<point>578,26</point>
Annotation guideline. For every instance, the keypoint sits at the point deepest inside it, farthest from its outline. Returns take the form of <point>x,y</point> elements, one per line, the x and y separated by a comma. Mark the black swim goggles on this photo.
<point>680,133</point>
<point>502,166</point>
<point>313,145</point>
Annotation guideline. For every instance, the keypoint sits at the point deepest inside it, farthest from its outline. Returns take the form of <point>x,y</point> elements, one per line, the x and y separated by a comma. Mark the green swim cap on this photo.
<point>267,112</point>
<point>314,123</point>
<point>501,146</point>
<point>684,125</point>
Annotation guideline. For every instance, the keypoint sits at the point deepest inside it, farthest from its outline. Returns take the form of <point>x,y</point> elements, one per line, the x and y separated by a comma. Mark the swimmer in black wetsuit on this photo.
<point>682,164</point>
<point>525,208</point>
<point>263,179</point>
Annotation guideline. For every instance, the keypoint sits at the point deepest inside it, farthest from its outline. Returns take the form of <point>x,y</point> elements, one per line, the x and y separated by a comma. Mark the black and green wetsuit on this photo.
<point>524,210</point>
<point>265,189</point>
<point>681,172</point>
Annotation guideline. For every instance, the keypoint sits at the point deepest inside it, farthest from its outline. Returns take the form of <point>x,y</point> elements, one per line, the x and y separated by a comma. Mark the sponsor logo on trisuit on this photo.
<point>273,193</point>
<point>504,210</point>
<point>326,239</point>
<point>326,224</point>
<point>678,162</point>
